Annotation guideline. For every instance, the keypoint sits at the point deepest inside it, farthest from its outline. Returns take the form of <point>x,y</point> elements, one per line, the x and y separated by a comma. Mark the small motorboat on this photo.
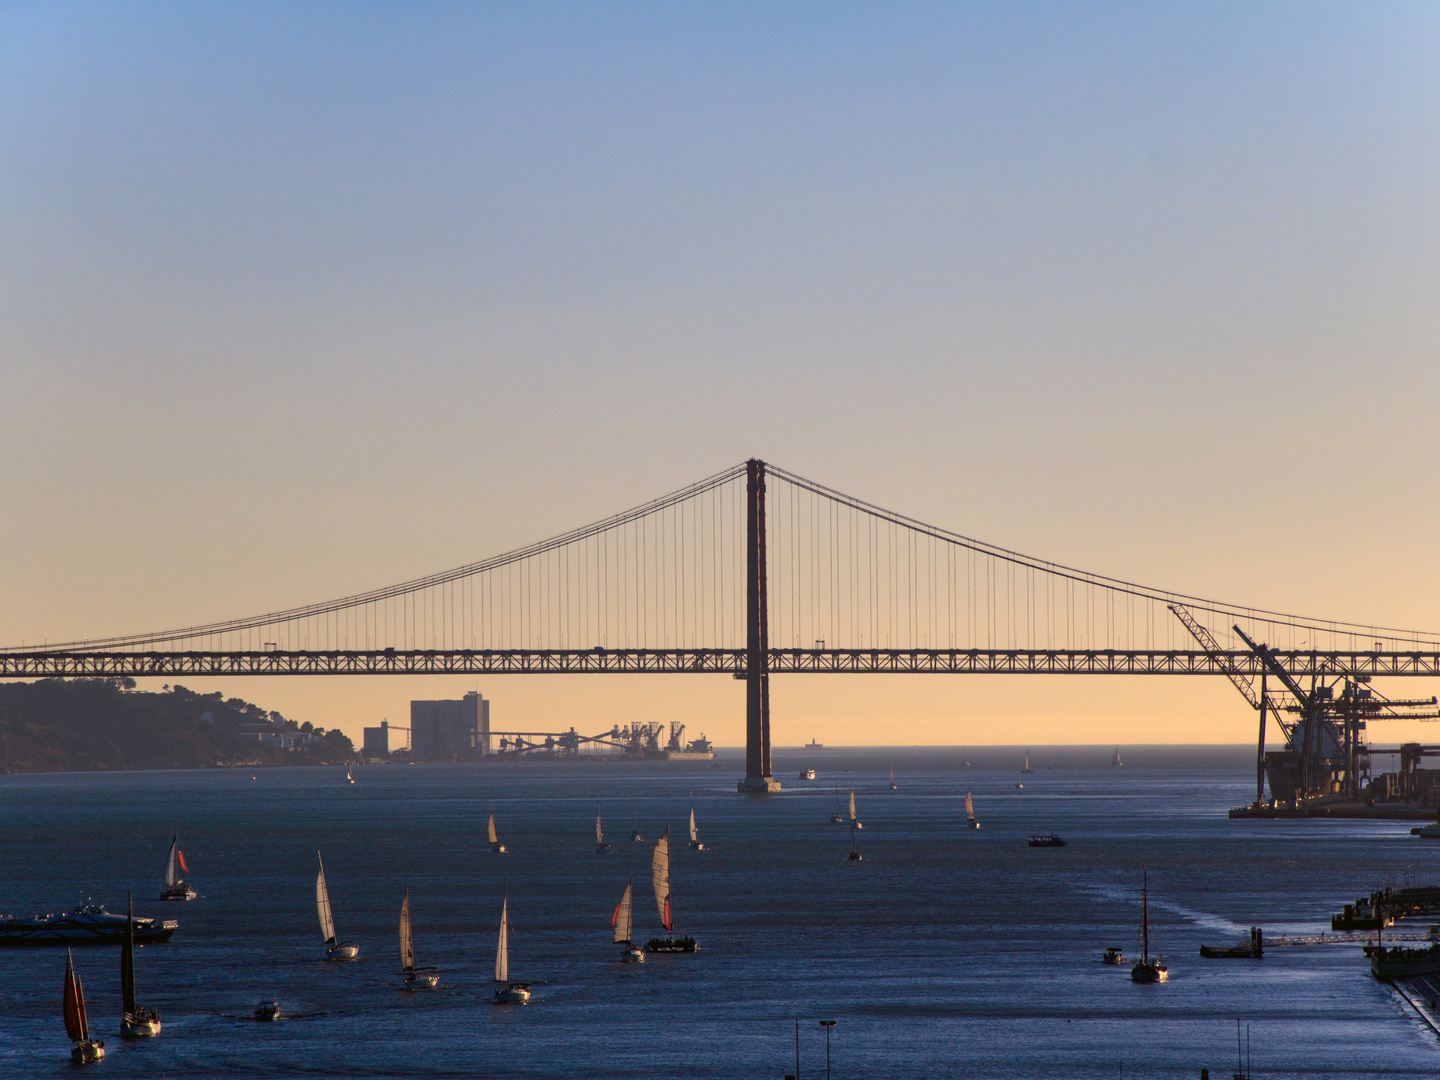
<point>1044,840</point>
<point>334,949</point>
<point>267,1010</point>
<point>512,993</point>
<point>86,1050</point>
<point>415,978</point>
<point>136,1021</point>
<point>1113,956</point>
<point>807,774</point>
<point>623,923</point>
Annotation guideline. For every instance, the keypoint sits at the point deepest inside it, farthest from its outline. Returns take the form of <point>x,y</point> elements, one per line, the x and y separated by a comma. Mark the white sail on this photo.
<point>170,878</point>
<point>407,954</point>
<point>969,807</point>
<point>694,834</point>
<point>322,904</point>
<point>599,835</point>
<point>852,806</point>
<point>622,918</point>
<point>494,836</point>
<point>1027,760</point>
<point>502,951</point>
<point>660,876</point>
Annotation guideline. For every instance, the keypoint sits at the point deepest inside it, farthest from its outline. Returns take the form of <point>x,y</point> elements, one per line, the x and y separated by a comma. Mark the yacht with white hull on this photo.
<point>623,922</point>
<point>136,1021</point>
<point>415,978</point>
<point>511,993</point>
<point>334,948</point>
<point>77,1025</point>
<point>175,888</point>
<point>88,925</point>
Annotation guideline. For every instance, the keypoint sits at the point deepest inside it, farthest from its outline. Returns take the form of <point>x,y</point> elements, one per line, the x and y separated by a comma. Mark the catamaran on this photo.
<point>854,821</point>
<point>695,844</point>
<point>1026,767</point>
<point>334,950</point>
<point>623,921</point>
<point>600,845</point>
<point>660,878</point>
<point>135,1020</point>
<point>175,888</point>
<point>970,810</point>
<point>495,844</point>
<point>77,1027</point>
<point>415,978</point>
<point>1147,971</point>
<point>512,993</point>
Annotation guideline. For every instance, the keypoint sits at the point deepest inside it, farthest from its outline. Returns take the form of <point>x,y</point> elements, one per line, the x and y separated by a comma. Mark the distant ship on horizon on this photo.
<point>813,745</point>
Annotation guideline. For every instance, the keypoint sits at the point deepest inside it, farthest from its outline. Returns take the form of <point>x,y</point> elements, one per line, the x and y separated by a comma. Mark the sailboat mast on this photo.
<point>127,960</point>
<point>1144,916</point>
<point>502,950</point>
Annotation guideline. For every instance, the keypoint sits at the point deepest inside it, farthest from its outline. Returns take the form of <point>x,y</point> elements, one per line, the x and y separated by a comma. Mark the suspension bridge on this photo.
<point>758,571</point>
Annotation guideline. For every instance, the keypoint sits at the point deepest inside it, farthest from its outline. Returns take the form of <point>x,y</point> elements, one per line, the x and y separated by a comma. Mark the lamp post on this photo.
<point>827,1025</point>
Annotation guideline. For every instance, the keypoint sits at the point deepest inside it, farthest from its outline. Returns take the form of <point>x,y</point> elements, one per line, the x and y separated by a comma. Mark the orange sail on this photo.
<point>75,1025</point>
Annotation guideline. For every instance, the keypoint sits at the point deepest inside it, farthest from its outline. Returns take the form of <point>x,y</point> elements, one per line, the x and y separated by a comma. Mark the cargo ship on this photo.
<point>88,925</point>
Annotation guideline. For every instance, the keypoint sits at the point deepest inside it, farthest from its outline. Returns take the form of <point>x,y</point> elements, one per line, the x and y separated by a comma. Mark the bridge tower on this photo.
<point>757,656</point>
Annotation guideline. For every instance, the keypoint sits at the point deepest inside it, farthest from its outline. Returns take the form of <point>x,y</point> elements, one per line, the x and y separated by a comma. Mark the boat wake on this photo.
<point>1205,919</point>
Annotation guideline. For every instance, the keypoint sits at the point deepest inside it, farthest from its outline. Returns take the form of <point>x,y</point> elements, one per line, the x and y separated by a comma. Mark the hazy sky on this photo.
<point>297,300</point>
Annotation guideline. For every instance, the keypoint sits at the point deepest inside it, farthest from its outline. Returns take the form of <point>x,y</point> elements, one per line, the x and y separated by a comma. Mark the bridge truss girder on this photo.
<point>77,665</point>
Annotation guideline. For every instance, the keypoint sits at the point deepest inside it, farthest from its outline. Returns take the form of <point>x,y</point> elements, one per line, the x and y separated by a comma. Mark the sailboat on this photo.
<point>835,812</point>
<point>695,844</point>
<point>660,878</point>
<point>635,836</point>
<point>1116,759</point>
<point>334,950</point>
<point>512,993</point>
<point>855,855</point>
<point>135,1020</point>
<point>1147,971</point>
<point>970,810</point>
<point>77,1027</point>
<point>1026,767</point>
<point>892,781</point>
<point>495,844</point>
<point>600,845</point>
<point>415,978</point>
<point>622,921</point>
<point>854,821</point>
<point>175,888</point>
<point>348,778</point>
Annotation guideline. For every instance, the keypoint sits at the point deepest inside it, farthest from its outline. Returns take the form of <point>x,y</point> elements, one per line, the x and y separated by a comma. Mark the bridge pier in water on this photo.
<point>758,780</point>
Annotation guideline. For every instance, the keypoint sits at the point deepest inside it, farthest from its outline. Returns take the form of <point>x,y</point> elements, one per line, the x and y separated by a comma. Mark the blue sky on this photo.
<point>300,299</point>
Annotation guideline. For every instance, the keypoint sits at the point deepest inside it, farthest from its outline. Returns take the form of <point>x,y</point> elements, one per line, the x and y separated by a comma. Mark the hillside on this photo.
<point>60,725</point>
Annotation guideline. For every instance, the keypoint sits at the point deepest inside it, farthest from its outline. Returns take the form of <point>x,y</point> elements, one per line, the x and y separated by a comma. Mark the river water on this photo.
<point>946,952</point>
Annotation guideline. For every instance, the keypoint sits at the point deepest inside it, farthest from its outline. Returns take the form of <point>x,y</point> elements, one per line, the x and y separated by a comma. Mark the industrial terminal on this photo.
<point>460,731</point>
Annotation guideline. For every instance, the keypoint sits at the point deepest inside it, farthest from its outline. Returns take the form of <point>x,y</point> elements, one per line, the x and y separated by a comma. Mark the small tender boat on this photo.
<point>1113,955</point>
<point>695,844</point>
<point>176,889</point>
<point>1026,767</point>
<point>970,811</point>
<point>495,844</point>
<point>1044,840</point>
<point>1147,971</point>
<point>660,878</point>
<point>334,950</point>
<point>892,781</point>
<point>512,993</point>
<point>77,1026</point>
<point>415,978</point>
<point>623,921</point>
<point>600,845</point>
<point>267,1010</point>
<point>854,821</point>
<point>855,855</point>
<point>136,1021</point>
<point>807,774</point>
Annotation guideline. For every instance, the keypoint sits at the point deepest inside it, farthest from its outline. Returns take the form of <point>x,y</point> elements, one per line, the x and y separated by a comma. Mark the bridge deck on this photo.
<point>43,664</point>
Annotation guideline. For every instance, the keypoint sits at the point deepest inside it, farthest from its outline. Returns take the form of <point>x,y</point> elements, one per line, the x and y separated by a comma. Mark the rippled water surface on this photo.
<point>946,952</point>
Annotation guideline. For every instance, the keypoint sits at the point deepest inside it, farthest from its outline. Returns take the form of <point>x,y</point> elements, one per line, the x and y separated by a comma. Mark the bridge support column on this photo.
<point>757,622</point>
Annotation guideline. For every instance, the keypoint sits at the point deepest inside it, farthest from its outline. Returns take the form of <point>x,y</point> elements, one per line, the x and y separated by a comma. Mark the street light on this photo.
<point>827,1025</point>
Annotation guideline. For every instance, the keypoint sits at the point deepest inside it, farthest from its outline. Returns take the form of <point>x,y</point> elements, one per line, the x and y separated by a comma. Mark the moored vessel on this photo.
<point>1395,962</point>
<point>511,993</point>
<point>1147,971</point>
<point>623,922</point>
<point>175,888</point>
<point>85,1049</point>
<point>415,978</point>
<point>334,948</point>
<point>136,1021</point>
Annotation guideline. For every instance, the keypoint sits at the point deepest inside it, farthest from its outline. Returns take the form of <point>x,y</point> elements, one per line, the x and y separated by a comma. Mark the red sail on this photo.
<point>74,1001</point>
<point>181,856</point>
<point>668,927</point>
